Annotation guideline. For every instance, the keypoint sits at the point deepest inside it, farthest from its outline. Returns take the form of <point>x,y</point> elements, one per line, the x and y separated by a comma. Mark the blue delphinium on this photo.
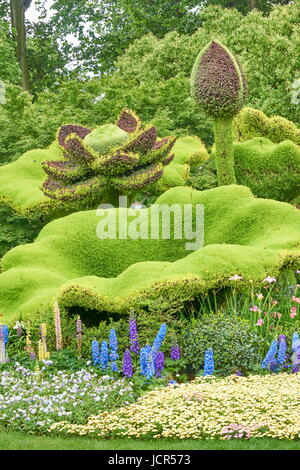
<point>95,352</point>
<point>5,333</point>
<point>295,341</point>
<point>104,355</point>
<point>281,355</point>
<point>113,345</point>
<point>144,360</point>
<point>270,356</point>
<point>209,365</point>
<point>159,338</point>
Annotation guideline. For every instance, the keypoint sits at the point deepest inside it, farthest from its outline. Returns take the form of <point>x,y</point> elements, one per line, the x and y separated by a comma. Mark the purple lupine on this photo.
<point>159,363</point>
<point>175,352</point>
<point>133,333</point>
<point>127,364</point>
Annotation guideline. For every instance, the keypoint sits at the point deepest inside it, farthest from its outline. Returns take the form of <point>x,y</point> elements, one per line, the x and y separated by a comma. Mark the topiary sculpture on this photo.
<point>107,161</point>
<point>243,235</point>
<point>251,123</point>
<point>219,87</point>
<point>270,170</point>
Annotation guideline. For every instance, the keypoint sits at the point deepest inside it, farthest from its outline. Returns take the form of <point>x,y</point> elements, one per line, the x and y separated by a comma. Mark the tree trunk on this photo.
<point>252,4</point>
<point>18,24</point>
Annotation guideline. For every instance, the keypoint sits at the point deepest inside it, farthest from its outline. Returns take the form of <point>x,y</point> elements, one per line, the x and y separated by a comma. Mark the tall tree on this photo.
<point>17,11</point>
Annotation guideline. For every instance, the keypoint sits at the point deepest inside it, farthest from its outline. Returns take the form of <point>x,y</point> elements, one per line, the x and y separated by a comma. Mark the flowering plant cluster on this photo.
<point>207,408</point>
<point>31,400</point>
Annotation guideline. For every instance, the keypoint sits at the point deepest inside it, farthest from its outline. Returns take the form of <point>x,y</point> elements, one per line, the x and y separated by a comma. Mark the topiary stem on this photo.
<point>224,158</point>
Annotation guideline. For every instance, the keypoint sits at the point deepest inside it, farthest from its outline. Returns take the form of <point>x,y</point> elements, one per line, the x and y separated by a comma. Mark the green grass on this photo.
<point>243,235</point>
<point>19,441</point>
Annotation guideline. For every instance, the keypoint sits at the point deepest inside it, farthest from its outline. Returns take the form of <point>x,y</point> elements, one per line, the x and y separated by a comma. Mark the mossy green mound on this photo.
<point>105,137</point>
<point>20,181</point>
<point>270,170</point>
<point>251,123</point>
<point>242,235</point>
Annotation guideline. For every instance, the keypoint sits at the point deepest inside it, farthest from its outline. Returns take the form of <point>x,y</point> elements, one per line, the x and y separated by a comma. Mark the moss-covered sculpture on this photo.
<point>270,170</point>
<point>251,123</point>
<point>242,235</point>
<point>219,87</point>
<point>21,181</point>
<point>107,161</point>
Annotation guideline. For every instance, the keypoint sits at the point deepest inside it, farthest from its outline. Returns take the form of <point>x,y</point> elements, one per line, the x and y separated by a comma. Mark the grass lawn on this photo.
<point>19,441</point>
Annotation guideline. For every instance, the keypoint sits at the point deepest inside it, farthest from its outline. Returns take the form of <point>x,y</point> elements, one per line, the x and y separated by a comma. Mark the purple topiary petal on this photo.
<point>128,121</point>
<point>66,130</point>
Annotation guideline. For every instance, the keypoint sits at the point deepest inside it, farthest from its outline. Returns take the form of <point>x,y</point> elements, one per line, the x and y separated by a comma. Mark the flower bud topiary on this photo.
<point>219,87</point>
<point>218,82</point>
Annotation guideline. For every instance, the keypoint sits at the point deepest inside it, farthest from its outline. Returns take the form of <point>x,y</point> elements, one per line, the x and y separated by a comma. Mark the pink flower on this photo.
<point>259,322</point>
<point>296,299</point>
<point>259,296</point>
<point>254,309</point>
<point>236,277</point>
<point>293,312</point>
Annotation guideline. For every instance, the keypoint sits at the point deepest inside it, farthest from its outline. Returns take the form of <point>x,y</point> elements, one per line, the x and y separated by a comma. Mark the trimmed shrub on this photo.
<point>235,345</point>
<point>251,123</point>
<point>270,170</point>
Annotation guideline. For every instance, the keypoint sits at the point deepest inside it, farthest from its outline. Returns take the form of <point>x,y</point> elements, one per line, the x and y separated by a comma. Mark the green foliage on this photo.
<point>152,77</point>
<point>270,170</point>
<point>224,151</point>
<point>15,230</point>
<point>114,25</point>
<point>9,69</point>
<point>243,235</point>
<point>251,123</point>
<point>236,346</point>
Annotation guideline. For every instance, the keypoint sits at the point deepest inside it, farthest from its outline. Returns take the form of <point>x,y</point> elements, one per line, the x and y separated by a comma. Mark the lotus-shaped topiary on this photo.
<point>219,87</point>
<point>111,160</point>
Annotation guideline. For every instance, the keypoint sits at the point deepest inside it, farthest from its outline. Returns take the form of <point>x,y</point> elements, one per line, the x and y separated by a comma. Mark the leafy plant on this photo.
<point>236,346</point>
